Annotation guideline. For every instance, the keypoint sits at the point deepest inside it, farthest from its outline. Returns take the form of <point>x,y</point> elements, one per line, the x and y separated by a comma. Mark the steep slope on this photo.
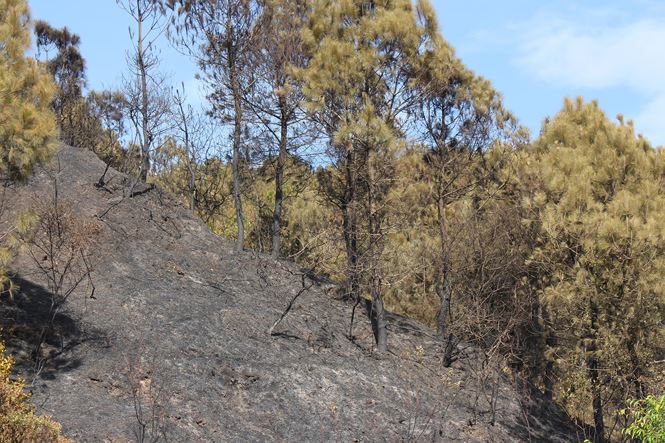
<point>175,341</point>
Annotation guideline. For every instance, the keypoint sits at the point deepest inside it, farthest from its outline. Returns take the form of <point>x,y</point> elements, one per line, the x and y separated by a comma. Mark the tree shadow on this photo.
<point>543,419</point>
<point>24,321</point>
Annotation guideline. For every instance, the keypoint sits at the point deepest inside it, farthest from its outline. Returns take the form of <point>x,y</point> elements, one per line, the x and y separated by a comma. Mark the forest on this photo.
<point>347,136</point>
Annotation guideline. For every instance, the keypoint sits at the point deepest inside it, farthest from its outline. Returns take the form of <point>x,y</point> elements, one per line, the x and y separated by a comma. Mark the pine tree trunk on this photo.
<point>350,227</point>
<point>379,323</point>
<point>378,314</point>
<point>550,342</point>
<point>636,367</point>
<point>598,420</point>
<point>444,293</point>
<point>145,146</point>
<point>192,185</point>
<point>237,128</point>
<point>442,285</point>
<point>350,240</point>
<point>593,366</point>
<point>279,177</point>
<point>191,182</point>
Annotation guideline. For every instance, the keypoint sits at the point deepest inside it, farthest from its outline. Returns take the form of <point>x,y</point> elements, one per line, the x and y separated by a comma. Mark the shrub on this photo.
<point>648,420</point>
<point>18,421</point>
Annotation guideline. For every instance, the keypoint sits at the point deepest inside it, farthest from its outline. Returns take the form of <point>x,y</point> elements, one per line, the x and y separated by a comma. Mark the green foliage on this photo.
<point>9,243</point>
<point>106,112</point>
<point>213,202</point>
<point>357,82</point>
<point>6,285</point>
<point>648,424</point>
<point>27,127</point>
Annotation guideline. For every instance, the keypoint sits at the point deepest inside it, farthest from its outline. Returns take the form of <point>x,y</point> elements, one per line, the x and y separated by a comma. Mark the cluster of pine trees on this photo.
<point>346,135</point>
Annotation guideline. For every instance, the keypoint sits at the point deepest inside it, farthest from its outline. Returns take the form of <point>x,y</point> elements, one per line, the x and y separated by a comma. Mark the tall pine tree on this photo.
<point>27,126</point>
<point>601,251</point>
<point>358,85</point>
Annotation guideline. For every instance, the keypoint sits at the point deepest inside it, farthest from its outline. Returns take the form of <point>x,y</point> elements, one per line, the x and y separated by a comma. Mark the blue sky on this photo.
<point>535,53</point>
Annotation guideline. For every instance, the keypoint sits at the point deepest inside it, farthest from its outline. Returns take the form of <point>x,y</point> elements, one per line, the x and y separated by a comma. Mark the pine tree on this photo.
<point>358,87</point>
<point>276,94</point>
<point>602,257</point>
<point>221,36</point>
<point>460,117</point>
<point>27,127</point>
<point>67,67</point>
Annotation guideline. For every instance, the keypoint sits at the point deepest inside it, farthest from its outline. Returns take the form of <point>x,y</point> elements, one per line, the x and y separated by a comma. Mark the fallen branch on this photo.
<point>304,289</point>
<point>113,205</point>
<point>133,194</point>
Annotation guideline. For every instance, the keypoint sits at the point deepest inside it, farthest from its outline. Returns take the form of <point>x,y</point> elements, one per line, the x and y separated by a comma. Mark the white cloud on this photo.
<point>598,58</point>
<point>569,52</point>
<point>651,120</point>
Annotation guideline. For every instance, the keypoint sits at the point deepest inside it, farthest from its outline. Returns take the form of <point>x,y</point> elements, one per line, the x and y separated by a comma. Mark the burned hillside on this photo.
<point>178,340</point>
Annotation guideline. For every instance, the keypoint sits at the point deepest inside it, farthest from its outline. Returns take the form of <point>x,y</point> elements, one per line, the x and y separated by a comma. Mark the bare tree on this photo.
<point>219,34</point>
<point>184,119</point>
<point>147,96</point>
<point>62,246</point>
<point>195,133</point>
<point>151,408</point>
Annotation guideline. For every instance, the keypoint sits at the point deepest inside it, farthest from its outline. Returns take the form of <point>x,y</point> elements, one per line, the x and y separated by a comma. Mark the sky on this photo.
<point>535,53</point>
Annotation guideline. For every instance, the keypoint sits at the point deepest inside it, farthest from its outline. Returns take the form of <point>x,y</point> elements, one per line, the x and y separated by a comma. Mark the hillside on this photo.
<point>178,330</point>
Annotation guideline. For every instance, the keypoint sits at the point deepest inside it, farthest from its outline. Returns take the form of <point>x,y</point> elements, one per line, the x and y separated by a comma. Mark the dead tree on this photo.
<point>147,96</point>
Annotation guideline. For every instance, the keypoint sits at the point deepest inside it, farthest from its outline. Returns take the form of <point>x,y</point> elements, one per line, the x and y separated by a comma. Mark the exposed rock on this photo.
<point>179,325</point>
